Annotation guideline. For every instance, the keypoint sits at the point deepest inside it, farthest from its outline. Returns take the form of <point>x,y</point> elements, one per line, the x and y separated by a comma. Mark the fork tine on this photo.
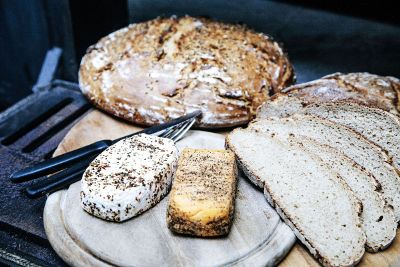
<point>172,132</point>
<point>167,132</point>
<point>178,131</point>
<point>181,132</point>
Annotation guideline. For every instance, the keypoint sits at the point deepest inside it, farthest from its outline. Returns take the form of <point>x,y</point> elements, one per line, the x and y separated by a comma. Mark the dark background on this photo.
<point>320,37</point>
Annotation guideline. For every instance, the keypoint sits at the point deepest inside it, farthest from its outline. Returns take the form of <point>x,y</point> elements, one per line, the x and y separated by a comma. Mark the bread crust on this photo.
<point>362,88</point>
<point>151,72</point>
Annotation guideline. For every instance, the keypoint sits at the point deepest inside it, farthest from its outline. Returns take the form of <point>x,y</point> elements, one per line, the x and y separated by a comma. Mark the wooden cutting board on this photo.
<point>257,238</point>
<point>73,250</point>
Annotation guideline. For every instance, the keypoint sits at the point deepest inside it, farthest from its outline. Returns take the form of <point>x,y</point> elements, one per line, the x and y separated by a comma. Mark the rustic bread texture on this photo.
<point>377,218</point>
<point>377,125</point>
<point>353,145</point>
<point>129,177</point>
<point>362,88</point>
<point>313,200</point>
<point>151,72</point>
<point>202,198</point>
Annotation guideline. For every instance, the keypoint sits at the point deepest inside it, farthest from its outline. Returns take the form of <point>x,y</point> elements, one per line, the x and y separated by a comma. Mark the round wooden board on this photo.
<point>257,238</point>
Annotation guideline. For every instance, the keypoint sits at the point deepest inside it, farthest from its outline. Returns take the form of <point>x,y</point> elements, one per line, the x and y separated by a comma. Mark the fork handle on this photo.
<point>59,180</point>
<point>60,162</point>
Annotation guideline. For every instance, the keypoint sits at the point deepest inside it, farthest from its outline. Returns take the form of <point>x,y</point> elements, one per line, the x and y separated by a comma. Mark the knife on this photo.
<point>65,160</point>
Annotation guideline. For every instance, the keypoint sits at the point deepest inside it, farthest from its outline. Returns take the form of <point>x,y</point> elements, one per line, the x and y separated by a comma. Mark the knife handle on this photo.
<point>60,162</point>
<point>59,180</point>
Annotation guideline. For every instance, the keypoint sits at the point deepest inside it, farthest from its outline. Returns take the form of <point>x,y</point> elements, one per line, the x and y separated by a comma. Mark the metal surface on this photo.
<point>49,68</point>
<point>27,137</point>
<point>29,132</point>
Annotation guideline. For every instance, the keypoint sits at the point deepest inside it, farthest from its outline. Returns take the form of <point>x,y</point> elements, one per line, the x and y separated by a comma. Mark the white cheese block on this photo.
<point>129,177</point>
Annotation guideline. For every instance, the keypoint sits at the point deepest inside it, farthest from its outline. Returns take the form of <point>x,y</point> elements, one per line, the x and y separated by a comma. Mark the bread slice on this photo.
<point>281,106</point>
<point>313,200</point>
<point>377,218</point>
<point>377,125</point>
<point>366,154</point>
<point>202,198</point>
<point>129,177</point>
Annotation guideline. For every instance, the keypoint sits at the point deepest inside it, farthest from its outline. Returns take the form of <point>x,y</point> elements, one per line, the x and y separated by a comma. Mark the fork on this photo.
<point>74,170</point>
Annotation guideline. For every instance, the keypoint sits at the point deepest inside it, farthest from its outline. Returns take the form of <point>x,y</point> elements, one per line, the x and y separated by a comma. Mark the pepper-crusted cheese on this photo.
<point>202,199</point>
<point>129,177</point>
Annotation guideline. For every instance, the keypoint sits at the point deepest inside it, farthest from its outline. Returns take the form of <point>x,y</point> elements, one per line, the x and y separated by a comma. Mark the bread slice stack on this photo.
<point>318,166</point>
<point>377,125</point>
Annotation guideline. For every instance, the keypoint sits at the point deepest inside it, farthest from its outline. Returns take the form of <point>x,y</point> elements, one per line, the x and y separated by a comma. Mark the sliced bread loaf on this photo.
<point>360,87</point>
<point>377,218</point>
<point>313,200</point>
<point>352,144</point>
<point>377,125</point>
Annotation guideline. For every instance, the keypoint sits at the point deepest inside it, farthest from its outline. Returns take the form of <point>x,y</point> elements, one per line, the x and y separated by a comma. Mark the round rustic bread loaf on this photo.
<point>151,72</point>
